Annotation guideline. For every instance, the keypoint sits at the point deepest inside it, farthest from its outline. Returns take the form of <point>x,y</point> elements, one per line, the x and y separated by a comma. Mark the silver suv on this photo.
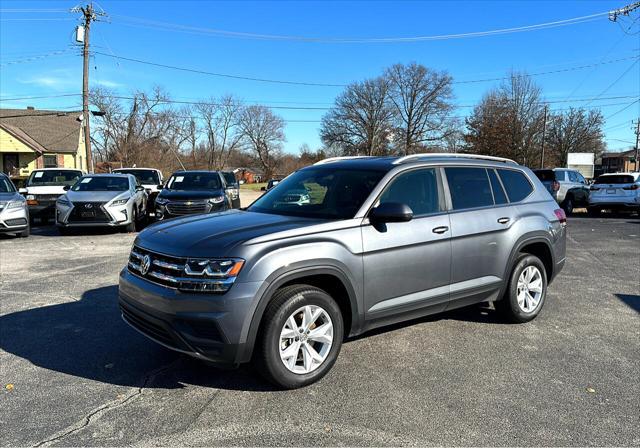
<point>568,187</point>
<point>380,240</point>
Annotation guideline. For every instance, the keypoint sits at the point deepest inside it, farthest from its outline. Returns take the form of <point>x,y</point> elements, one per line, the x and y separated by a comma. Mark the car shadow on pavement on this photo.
<point>88,339</point>
<point>631,300</point>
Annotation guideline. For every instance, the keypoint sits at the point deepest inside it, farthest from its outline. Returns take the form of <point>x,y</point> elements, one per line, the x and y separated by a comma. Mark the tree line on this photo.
<point>409,108</point>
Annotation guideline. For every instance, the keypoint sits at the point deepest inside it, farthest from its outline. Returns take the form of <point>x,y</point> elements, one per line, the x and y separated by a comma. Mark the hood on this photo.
<point>6,197</point>
<point>186,195</point>
<point>46,189</point>
<point>95,196</point>
<point>214,235</point>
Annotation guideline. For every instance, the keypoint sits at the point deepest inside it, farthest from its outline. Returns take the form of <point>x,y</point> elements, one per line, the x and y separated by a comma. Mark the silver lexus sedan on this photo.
<point>115,200</point>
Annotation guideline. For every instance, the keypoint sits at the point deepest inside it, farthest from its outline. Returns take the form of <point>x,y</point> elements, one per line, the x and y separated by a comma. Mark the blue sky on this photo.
<point>32,32</point>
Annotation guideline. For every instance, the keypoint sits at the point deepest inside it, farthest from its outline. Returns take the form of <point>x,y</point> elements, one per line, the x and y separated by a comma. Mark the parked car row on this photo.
<point>127,198</point>
<point>612,191</point>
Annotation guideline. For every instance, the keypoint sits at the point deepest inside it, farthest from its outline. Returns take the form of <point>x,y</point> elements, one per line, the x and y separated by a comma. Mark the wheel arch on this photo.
<point>328,278</point>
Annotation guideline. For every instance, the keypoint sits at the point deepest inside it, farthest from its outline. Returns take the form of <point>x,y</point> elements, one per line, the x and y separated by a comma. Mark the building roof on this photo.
<point>629,153</point>
<point>43,130</point>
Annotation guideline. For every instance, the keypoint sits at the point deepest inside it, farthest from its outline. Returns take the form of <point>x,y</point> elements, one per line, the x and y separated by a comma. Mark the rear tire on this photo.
<point>567,205</point>
<point>313,351</point>
<point>526,291</point>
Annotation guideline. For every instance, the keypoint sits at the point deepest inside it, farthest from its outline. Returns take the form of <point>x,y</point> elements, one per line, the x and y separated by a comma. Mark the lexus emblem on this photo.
<point>145,265</point>
<point>88,205</point>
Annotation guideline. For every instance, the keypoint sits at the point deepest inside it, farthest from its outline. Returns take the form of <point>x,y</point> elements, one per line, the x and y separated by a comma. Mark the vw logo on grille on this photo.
<point>145,264</point>
<point>88,205</point>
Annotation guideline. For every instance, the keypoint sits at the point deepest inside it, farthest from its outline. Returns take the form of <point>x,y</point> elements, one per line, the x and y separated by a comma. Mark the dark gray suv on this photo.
<point>380,240</point>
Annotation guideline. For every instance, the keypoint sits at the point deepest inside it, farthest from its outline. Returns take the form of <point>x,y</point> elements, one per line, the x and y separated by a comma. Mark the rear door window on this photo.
<point>573,177</point>
<point>469,187</point>
<point>516,183</point>
<point>498,193</point>
<point>418,189</point>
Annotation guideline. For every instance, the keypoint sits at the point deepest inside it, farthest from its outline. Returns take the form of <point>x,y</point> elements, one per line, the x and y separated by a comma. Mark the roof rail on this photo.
<point>449,154</point>
<point>336,159</point>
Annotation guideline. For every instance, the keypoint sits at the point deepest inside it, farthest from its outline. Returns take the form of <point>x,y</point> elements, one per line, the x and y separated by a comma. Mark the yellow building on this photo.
<point>31,138</point>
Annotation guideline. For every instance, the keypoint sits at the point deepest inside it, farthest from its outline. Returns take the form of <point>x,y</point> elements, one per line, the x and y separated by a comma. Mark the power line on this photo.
<point>614,82</point>
<point>318,84</point>
<point>38,57</point>
<point>140,22</point>
<point>222,75</point>
<point>623,109</point>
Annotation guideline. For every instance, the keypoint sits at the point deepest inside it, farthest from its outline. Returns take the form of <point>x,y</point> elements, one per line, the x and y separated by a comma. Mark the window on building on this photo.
<point>50,161</point>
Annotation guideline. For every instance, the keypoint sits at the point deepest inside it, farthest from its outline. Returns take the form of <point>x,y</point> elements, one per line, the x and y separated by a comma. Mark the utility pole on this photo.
<point>637,131</point>
<point>624,11</point>
<point>544,134</point>
<point>88,15</point>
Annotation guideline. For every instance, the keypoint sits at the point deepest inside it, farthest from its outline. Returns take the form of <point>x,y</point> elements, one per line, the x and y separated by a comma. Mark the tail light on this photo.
<point>632,187</point>
<point>555,186</point>
<point>562,217</point>
<point>594,188</point>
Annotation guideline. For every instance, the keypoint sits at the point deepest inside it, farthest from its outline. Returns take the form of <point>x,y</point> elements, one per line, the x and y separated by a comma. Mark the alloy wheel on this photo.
<point>529,289</point>
<point>306,339</point>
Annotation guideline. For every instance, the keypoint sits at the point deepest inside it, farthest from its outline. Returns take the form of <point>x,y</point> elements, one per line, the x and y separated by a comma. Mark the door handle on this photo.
<point>441,229</point>
<point>504,220</point>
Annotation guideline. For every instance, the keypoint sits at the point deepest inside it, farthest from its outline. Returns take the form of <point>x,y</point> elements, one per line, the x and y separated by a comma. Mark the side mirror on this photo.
<point>139,188</point>
<point>23,191</point>
<point>66,188</point>
<point>263,189</point>
<point>391,212</point>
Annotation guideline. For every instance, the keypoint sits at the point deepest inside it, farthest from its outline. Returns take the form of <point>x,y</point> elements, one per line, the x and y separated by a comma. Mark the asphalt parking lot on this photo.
<point>74,374</point>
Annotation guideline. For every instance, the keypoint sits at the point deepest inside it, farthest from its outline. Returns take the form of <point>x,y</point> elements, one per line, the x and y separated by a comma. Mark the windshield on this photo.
<point>230,178</point>
<point>319,193</point>
<point>102,183</point>
<point>194,181</point>
<point>147,177</point>
<point>615,179</point>
<point>6,186</point>
<point>53,177</point>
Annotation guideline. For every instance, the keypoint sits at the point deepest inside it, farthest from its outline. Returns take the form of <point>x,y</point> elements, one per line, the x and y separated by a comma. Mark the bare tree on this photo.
<point>264,131</point>
<point>421,100</point>
<point>508,122</point>
<point>576,130</point>
<point>360,123</point>
<point>221,129</point>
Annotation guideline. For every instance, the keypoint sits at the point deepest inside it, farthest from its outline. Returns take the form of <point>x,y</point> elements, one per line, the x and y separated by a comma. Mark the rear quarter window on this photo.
<point>516,183</point>
<point>615,179</point>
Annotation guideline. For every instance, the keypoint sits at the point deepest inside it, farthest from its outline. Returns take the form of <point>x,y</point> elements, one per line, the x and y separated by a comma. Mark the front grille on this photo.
<point>170,272</point>
<point>47,197</point>
<point>88,212</point>
<point>186,208</point>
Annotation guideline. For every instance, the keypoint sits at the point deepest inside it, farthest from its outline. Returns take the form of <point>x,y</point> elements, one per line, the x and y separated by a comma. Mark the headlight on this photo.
<point>216,200</point>
<point>64,201</point>
<point>15,204</point>
<point>215,275</point>
<point>119,202</point>
<point>31,197</point>
<point>161,201</point>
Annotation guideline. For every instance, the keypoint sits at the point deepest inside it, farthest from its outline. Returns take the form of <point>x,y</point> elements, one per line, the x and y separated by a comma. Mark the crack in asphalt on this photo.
<point>114,404</point>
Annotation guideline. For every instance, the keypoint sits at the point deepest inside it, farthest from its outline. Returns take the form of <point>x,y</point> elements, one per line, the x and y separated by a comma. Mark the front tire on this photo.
<point>131,227</point>
<point>301,336</point>
<point>25,233</point>
<point>526,291</point>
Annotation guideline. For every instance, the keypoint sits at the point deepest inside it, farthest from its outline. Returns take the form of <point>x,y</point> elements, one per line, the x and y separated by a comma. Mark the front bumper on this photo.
<point>14,219</point>
<point>44,209</point>
<point>212,327</point>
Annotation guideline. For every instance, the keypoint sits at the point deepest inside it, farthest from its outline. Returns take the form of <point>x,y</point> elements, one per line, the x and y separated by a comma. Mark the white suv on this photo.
<point>615,191</point>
